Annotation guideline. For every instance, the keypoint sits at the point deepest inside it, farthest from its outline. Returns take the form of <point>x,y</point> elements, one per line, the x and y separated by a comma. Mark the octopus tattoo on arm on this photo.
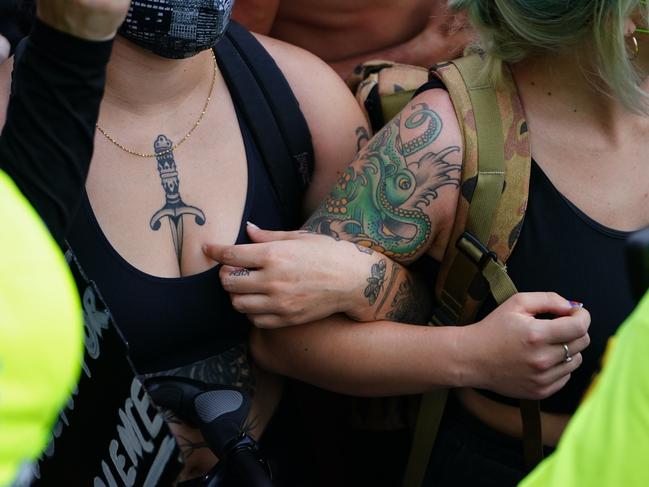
<point>378,201</point>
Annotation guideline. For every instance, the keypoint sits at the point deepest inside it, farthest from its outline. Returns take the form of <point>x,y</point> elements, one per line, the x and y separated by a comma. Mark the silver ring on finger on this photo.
<point>566,351</point>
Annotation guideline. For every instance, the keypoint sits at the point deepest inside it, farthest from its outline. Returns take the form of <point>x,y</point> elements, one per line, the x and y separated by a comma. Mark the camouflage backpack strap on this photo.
<point>384,88</point>
<point>495,186</point>
<point>489,217</point>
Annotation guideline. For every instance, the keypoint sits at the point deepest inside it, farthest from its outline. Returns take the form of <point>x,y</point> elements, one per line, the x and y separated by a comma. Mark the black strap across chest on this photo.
<point>271,111</point>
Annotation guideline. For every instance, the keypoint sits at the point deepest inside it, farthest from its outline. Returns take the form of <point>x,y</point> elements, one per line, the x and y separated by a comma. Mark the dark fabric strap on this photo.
<point>271,111</point>
<point>532,433</point>
<point>431,410</point>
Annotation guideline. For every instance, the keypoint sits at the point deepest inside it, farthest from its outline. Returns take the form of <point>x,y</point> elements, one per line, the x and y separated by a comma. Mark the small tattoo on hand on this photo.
<point>240,273</point>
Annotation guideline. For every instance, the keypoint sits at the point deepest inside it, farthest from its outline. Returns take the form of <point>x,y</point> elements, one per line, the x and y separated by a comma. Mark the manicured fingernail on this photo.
<point>576,304</point>
<point>250,224</point>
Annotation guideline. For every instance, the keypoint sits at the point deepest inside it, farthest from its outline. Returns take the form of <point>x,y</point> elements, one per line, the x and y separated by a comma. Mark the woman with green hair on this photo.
<point>581,69</point>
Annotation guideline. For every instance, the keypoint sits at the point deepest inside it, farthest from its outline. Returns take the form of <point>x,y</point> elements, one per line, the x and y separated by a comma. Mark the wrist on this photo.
<point>361,304</point>
<point>89,23</point>
<point>466,356</point>
<point>63,46</point>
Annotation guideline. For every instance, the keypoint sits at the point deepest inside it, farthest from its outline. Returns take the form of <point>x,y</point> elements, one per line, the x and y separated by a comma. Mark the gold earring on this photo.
<point>636,47</point>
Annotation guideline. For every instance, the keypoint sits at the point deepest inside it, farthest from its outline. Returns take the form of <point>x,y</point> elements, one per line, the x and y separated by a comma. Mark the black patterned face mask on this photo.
<point>177,29</point>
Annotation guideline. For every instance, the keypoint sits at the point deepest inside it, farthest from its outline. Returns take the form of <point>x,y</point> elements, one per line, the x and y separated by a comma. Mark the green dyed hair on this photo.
<point>512,30</point>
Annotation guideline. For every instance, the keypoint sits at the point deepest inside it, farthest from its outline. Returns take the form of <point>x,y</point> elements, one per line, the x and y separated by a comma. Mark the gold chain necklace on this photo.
<point>183,140</point>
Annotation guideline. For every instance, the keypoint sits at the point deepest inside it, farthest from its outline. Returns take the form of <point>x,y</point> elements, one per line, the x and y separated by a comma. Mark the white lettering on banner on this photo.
<point>143,406</point>
<point>136,437</point>
<point>120,462</point>
<point>165,452</point>
<point>140,423</point>
<point>96,322</point>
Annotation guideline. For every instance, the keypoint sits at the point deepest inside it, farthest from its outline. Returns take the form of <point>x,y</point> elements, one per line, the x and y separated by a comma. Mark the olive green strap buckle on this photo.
<point>475,250</point>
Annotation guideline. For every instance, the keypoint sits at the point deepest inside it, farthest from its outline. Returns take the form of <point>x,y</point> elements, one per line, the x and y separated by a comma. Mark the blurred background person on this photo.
<point>345,34</point>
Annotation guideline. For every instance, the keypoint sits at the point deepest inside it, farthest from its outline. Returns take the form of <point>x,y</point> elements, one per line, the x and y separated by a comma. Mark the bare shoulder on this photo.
<point>305,72</point>
<point>6,69</point>
<point>440,163</point>
<point>331,111</point>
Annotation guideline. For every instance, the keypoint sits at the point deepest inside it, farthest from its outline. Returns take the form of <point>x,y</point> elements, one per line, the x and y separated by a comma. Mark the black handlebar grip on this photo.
<point>248,470</point>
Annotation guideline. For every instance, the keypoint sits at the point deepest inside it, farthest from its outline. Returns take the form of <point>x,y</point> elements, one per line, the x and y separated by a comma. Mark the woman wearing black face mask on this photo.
<point>176,166</point>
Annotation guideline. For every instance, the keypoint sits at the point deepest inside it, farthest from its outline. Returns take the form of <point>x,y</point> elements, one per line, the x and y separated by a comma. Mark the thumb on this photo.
<point>257,235</point>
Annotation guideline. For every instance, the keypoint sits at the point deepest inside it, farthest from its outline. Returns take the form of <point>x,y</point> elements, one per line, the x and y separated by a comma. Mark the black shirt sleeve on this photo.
<point>47,142</point>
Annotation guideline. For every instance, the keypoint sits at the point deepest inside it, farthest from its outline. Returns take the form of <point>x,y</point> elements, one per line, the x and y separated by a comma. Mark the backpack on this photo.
<point>489,216</point>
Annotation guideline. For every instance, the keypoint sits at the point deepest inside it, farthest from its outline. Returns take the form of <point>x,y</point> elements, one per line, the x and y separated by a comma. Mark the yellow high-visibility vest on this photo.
<point>606,444</point>
<point>41,332</point>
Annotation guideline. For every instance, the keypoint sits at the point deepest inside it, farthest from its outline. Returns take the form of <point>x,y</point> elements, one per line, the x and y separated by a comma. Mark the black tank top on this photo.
<point>171,322</point>
<point>562,249</point>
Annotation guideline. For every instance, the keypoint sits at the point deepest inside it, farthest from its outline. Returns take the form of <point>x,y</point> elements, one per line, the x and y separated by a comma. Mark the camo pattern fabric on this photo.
<point>513,204</point>
<point>390,79</point>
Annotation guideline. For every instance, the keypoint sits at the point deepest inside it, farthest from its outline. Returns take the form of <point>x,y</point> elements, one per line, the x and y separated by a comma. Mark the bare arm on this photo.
<point>392,204</point>
<point>510,352</point>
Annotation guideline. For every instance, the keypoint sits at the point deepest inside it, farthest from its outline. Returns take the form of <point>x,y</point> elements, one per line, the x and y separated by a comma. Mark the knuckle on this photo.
<point>518,300</point>
<point>274,287</point>
<point>577,360</point>
<point>237,303</point>
<point>541,364</point>
<point>283,307</point>
<point>291,320</point>
<point>272,254</point>
<point>267,323</point>
<point>584,324</point>
<point>534,336</point>
<point>538,382</point>
<point>551,296</point>
<point>229,254</point>
<point>580,330</point>
<point>260,323</point>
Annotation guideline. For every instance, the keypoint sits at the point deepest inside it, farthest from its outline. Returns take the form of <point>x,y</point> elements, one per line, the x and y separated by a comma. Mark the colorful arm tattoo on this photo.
<point>379,200</point>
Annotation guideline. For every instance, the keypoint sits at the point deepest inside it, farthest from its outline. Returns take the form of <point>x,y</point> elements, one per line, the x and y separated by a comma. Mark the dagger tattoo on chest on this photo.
<point>174,209</point>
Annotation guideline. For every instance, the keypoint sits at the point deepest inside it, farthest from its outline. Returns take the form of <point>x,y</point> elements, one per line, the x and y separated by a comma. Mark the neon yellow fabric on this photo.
<point>606,444</point>
<point>41,334</point>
